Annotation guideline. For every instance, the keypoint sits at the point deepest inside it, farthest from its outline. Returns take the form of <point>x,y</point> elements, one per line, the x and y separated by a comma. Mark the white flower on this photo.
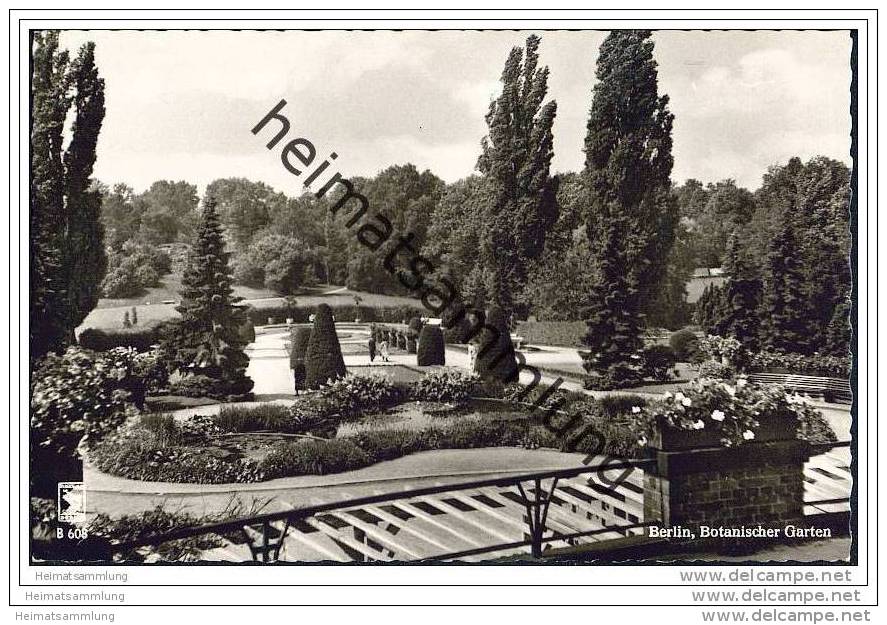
<point>717,415</point>
<point>698,425</point>
<point>748,435</point>
<point>686,401</point>
<point>731,390</point>
<point>741,382</point>
<point>642,441</point>
<point>635,409</point>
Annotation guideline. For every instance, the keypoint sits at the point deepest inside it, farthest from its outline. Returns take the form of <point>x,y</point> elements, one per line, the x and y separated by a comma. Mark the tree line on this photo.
<point>613,244</point>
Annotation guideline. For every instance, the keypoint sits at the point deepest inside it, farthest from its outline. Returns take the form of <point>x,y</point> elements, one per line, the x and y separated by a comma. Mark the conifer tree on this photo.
<point>631,214</point>
<point>49,105</point>
<point>710,308</point>
<point>613,319</point>
<point>786,320</point>
<point>85,260</point>
<point>67,250</point>
<point>839,334</point>
<point>323,360</point>
<point>208,341</point>
<point>741,299</point>
<point>516,157</point>
<point>628,161</point>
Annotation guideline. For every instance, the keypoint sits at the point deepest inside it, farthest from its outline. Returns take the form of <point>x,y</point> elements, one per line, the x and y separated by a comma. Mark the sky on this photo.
<point>180,105</point>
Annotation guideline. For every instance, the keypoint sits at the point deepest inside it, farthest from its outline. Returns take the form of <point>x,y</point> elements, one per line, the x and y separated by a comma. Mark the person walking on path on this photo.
<point>383,351</point>
<point>371,346</point>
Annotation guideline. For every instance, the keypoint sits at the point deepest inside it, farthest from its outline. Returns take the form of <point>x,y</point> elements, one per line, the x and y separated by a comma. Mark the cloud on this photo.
<point>180,104</point>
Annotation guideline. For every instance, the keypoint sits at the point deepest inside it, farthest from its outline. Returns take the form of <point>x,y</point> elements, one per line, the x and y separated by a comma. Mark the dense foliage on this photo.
<point>134,268</point>
<point>813,364</point>
<point>141,339</point>
<point>283,264</point>
<point>350,312</point>
<point>515,159</point>
<point>323,359</point>
<point>79,394</point>
<point>67,253</point>
<point>206,343</point>
<point>683,342</point>
<point>628,163</point>
<point>613,320</point>
<point>300,336</point>
<point>445,385</point>
<point>630,214</point>
<point>733,408</point>
<point>495,352</point>
<point>431,349</point>
<point>789,268</point>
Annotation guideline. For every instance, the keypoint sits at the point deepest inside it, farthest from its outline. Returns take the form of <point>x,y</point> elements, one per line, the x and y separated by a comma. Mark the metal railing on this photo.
<point>597,508</point>
<point>820,449</point>
<point>536,492</point>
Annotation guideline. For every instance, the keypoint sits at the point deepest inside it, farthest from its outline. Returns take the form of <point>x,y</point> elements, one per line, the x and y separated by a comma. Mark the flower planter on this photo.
<point>770,429</point>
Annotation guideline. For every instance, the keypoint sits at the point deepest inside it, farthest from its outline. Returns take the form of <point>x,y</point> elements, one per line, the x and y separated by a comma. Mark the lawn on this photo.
<point>169,288</point>
<point>108,314</point>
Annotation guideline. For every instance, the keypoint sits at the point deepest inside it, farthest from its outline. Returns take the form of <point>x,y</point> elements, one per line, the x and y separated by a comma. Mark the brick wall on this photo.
<point>753,484</point>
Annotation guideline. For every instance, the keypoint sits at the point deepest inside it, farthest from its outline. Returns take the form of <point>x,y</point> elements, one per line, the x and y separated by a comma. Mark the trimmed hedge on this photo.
<point>431,350</point>
<point>683,342</point>
<point>560,333</point>
<point>815,364</point>
<point>140,339</point>
<point>495,356</point>
<point>299,339</point>
<point>658,361</point>
<point>342,313</point>
<point>323,360</point>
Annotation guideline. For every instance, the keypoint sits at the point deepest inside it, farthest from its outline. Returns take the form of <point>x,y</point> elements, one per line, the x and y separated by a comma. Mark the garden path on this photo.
<point>117,496</point>
<point>269,368</point>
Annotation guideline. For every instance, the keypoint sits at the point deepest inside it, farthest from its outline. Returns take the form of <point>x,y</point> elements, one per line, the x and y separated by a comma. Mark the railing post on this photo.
<point>537,512</point>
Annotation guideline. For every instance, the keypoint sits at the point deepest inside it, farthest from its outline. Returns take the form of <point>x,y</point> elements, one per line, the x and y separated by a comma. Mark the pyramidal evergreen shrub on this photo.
<point>208,343</point>
<point>323,360</point>
<point>299,339</point>
<point>431,347</point>
<point>495,355</point>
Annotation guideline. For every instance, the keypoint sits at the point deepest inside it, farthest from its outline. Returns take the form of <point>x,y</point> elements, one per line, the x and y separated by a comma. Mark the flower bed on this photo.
<point>729,413</point>
<point>359,421</point>
<point>816,364</point>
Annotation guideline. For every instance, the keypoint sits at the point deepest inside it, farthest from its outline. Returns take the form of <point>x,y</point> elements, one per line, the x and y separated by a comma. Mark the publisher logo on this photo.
<point>71,502</point>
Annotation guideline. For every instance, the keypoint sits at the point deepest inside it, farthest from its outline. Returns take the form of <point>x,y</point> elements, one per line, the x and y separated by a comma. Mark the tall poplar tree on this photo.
<point>84,253</point>
<point>628,159</point>
<point>613,319</point>
<point>67,251</point>
<point>49,104</point>
<point>632,213</point>
<point>516,158</point>
<point>208,341</point>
